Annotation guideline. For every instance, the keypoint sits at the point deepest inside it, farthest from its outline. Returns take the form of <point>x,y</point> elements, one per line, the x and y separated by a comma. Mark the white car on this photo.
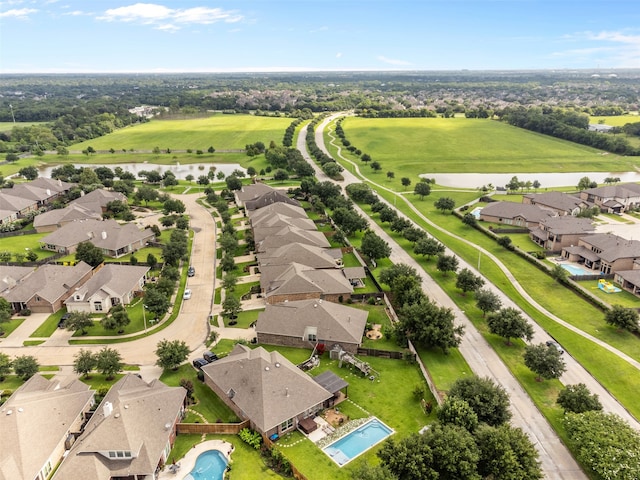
<point>187,294</point>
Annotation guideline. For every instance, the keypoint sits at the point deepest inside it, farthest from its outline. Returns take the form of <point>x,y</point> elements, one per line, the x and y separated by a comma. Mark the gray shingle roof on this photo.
<point>101,197</point>
<point>613,247</point>
<point>567,224</point>
<point>68,214</point>
<point>624,190</point>
<point>10,276</point>
<point>113,280</point>
<point>137,423</point>
<point>531,213</point>
<point>297,279</point>
<point>310,255</point>
<point>267,387</point>
<point>335,322</point>
<point>42,412</point>
<point>289,235</point>
<point>50,282</point>
<point>556,200</point>
<point>282,208</point>
<point>270,198</point>
<point>249,192</point>
<point>106,234</point>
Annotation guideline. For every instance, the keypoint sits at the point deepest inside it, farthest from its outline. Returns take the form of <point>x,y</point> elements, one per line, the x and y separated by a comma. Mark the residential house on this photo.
<point>10,276</point>
<point>310,255</point>
<point>130,435</point>
<point>514,214</point>
<point>114,239</point>
<point>289,235</point>
<point>53,219</point>
<point>555,233</point>
<point>28,197</point>
<point>45,289</point>
<point>98,199</point>
<point>559,202</point>
<point>276,221</point>
<point>109,286</point>
<point>38,423</point>
<point>295,281</point>
<point>270,198</point>
<point>604,252</point>
<point>614,198</point>
<point>250,192</point>
<point>629,279</point>
<point>355,275</point>
<point>305,323</point>
<point>291,211</point>
<point>266,389</point>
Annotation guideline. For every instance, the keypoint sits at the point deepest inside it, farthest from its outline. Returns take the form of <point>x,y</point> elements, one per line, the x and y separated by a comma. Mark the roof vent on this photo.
<point>104,235</point>
<point>286,392</point>
<point>117,415</point>
<point>9,412</point>
<point>266,369</point>
<point>315,305</point>
<point>167,426</point>
<point>277,364</point>
<point>107,409</point>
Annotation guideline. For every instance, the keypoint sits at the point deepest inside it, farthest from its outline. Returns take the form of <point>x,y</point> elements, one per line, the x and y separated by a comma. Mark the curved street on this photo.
<point>557,462</point>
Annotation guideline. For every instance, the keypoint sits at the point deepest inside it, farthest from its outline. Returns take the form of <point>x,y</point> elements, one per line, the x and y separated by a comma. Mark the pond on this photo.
<point>475,180</point>
<point>180,171</point>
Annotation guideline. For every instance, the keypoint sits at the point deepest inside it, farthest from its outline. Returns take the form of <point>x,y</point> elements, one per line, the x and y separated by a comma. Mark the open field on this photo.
<point>7,126</point>
<point>220,131</point>
<point>616,121</point>
<point>437,145</point>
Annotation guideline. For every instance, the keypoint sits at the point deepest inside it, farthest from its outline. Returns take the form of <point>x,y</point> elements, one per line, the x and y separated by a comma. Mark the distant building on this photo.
<point>614,198</point>
<point>515,214</point>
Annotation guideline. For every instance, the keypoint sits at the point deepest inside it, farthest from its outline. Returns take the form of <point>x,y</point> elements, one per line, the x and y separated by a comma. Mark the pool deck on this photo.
<point>187,462</point>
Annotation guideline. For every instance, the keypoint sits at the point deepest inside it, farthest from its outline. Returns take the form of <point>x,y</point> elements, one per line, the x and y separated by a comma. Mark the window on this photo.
<point>97,306</point>
<point>286,425</point>
<point>312,337</point>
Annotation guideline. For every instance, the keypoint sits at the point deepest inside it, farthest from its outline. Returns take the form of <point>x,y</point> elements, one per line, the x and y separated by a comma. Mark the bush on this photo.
<point>25,312</point>
<point>251,438</point>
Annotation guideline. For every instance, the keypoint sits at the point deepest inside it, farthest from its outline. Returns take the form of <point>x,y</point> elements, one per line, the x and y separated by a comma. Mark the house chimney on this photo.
<point>104,235</point>
<point>107,409</point>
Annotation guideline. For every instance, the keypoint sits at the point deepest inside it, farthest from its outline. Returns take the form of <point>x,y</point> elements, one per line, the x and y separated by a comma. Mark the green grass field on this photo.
<point>7,126</point>
<point>617,121</point>
<point>437,145</point>
<point>220,131</point>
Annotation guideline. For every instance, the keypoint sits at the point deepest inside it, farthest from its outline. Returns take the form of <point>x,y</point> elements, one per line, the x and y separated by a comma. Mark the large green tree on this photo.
<point>117,319</point>
<point>374,247</point>
<point>623,318</point>
<point>109,362</point>
<point>87,252</point>
<point>444,452</point>
<point>428,246</point>
<point>487,301</point>
<point>423,189</point>
<point>84,362</point>
<point>604,443</point>
<point>506,453</point>
<point>430,325</point>
<point>467,281</point>
<point>447,263</point>
<point>78,321</point>
<point>488,400</point>
<point>5,366</point>
<point>5,313</point>
<point>445,204</point>
<point>171,353</point>
<point>578,399</point>
<point>509,323</point>
<point>545,361</point>
<point>25,366</point>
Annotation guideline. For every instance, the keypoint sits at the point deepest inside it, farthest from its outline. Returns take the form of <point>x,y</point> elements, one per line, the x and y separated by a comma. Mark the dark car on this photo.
<point>191,272</point>
<point>199,363</point>
<point>556,345</point>
<point>63,320</point>
<point>210,356</point>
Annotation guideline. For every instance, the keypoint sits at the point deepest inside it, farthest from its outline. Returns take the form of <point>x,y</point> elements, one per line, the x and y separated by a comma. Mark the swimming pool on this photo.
<point>575,270</point>
<point>210,465</point>
<point>357,442</point>
<point>476,212</point>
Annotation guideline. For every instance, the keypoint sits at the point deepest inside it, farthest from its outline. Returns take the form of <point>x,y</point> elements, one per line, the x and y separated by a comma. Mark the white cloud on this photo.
<point>77,13</point>
<point>169,19</point>
<point>616,49</point>
<point>21,13</point>
<point>339,55</point>
<point>392,61</point>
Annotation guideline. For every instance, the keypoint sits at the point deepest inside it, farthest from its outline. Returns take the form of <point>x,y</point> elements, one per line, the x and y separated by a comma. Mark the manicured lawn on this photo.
<point>24,243</point>
<point>244,288</point>
<point>8,327</point>
<point>246,463</point>
<point>49,326</point>
<point>624,298</point>
<point>97,381</point>
<point>220,131</point>
<point>244,319</point>
<point>208,404</point>
<point>350,260</point>
<point>438,145</point>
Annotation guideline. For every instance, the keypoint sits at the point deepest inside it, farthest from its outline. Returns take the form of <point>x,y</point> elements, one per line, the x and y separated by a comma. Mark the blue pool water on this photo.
<point>347,448</point>
<point>210,465</point>
<point>573,270</point>
<point>476,212</point>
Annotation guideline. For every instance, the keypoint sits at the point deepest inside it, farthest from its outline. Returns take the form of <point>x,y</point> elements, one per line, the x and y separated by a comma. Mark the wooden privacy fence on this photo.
<point>220,428</point>
<point>372,352</point>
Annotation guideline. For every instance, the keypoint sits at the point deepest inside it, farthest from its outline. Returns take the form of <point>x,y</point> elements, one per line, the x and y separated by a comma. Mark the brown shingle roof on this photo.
<point>267,387</point>
<point>335,322</point>
<point>531,213</point>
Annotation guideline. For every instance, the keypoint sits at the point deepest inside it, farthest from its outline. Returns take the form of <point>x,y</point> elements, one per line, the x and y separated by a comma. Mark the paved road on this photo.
<point>191,324</point>
<point>557,462</point>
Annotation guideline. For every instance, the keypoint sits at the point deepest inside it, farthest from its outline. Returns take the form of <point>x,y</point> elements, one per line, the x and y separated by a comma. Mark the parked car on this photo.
<point>556,345</point>
<point>63,320</point>
<point>210,356</point>
<point>191,271</point>
<point>187,294</point>
<point>199,363</point>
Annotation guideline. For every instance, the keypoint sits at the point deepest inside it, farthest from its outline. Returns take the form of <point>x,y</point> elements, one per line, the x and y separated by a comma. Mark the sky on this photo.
<point>87,36</point>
